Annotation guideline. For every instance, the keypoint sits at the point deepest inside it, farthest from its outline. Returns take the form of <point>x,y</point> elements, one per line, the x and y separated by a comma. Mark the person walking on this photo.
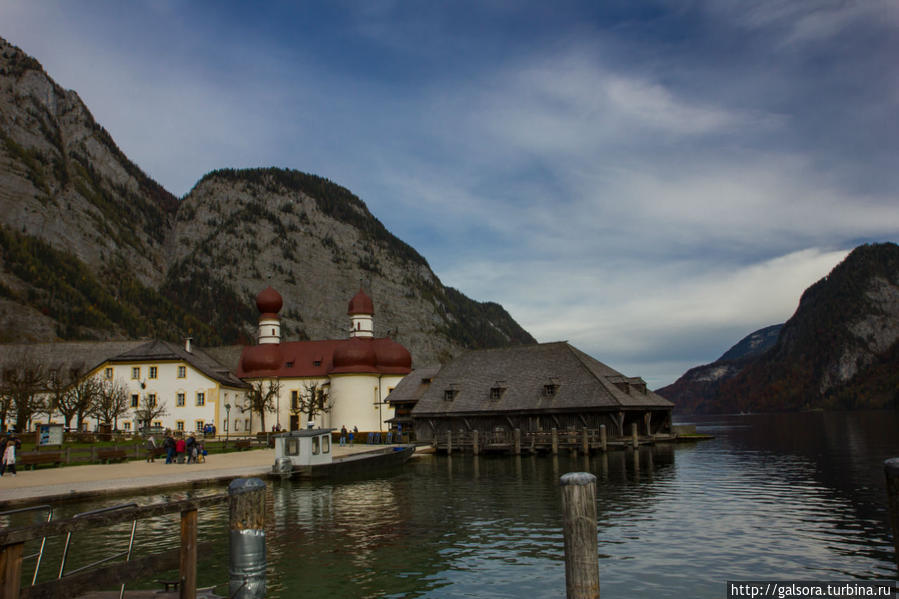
<point>180,446</point>
<point>343,435</point>
<point>190,448</point>
<point>9,454</point>
<point>169,445</point>
<point>151,449</point>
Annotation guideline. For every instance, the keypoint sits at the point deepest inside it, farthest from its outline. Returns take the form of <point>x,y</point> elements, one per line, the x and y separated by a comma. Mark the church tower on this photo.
<point>269,303</point>
<point>361,312</point>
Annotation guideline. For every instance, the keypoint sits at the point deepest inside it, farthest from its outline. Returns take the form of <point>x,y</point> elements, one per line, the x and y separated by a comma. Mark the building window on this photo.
<point>496,392</point>
<point>182,372</point>
<point>157,424</point>
<point>135,400</point>
<point>127,426</point>
<point>199,425</point>
<point>289,365</point>
<point>179,425</point>
<point>236,424</point>
<point>246,424</point>
<point>317,363</point>
<point>201,399</point>
<point>153,371</point>
<point>294,400</point>
<point>151,400</point>
<point>179,400</point>
<point>108,373</point>
<point>449,394</point>
<point>135,372</point>
<point>550,390</point>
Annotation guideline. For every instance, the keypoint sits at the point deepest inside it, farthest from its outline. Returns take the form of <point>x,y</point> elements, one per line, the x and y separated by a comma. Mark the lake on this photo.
<point>786,497</point>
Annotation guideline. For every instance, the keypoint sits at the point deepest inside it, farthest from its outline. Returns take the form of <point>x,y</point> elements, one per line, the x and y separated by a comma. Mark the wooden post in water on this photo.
<point>602,437</point>
<point>579,527</point>
<point>516,436</point>
<point>474,441</point>
<point>11,569</point>
<point>188,569</point>
<point>891,469</point>
<point>449,442</point>
<point>555,441</point>
<point>247,521</point>
<point>635,435</point>
<point>585,442</point>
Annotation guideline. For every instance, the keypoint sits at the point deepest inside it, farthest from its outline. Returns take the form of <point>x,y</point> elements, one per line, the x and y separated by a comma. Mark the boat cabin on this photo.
<point>309,447</point>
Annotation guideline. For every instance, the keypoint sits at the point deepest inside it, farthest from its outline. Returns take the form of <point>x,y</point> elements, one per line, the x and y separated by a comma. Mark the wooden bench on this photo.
<point>36,458</point>
<point>108,454</point>
<point>242,444</point>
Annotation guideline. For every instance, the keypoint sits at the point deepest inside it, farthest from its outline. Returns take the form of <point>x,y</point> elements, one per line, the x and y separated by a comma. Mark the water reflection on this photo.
<point>782,497</point>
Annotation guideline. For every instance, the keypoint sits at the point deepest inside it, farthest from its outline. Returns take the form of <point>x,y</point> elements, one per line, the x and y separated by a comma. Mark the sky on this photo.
<point>651,181</point>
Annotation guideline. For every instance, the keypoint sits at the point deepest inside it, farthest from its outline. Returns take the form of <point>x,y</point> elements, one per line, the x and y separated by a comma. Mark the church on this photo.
<point>331,383</point>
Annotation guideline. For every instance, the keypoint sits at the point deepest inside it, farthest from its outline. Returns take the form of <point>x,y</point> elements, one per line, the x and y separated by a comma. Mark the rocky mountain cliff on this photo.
<point>700,387</point>
<point>839,350</point>
<point>92,248</point>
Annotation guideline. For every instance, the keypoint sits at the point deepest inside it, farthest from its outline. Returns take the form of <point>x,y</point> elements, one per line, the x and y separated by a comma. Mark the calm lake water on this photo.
<point>795,496</point>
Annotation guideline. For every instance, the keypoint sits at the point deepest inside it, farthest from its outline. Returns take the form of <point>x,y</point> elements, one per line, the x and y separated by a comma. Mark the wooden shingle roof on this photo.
<point>165,351</point>
<point>545,377</point>
<point>413,385</point>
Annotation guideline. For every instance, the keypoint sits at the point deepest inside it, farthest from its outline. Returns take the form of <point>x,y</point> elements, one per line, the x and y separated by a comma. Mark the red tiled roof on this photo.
<point>361,304</point>
<point>321,358</point>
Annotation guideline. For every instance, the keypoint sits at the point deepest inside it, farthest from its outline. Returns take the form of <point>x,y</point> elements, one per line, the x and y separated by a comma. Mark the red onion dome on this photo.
<point>355,355</point>
<point>269,301</point>
<point>392,356</point>
<point>361,304</point>
<point>266,356</point>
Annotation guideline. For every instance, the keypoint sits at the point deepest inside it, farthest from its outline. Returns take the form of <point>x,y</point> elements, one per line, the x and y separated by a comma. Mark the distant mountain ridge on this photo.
<point>840,349</point>
<point>92,248</point>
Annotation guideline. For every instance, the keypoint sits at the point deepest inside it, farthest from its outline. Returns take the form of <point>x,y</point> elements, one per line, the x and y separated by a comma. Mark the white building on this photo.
<point>353,376</point>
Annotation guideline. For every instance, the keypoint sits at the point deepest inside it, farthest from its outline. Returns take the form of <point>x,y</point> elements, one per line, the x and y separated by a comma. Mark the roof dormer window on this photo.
<point>450,394</point>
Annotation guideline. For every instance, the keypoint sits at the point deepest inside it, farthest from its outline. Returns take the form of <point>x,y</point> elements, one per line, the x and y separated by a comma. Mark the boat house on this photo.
<point>534,389</point>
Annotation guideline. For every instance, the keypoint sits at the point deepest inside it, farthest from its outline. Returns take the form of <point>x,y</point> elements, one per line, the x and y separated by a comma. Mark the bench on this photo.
<point>36,458</point>
<point>242,444</point>
<point>107,455</point>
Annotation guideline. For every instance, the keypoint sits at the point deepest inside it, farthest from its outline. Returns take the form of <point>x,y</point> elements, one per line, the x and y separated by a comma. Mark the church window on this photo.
<point>294,400</point>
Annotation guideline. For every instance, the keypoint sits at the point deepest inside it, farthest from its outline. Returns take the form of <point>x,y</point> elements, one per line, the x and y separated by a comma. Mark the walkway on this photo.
<point>78,482</point>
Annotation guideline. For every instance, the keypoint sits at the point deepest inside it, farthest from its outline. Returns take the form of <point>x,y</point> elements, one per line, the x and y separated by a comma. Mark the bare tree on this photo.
<point>112,402</point>
<point>23,384</point>
<point>149,410</point>
<point>79,399</point>
<point>261,398</point>
<point>312,401</point>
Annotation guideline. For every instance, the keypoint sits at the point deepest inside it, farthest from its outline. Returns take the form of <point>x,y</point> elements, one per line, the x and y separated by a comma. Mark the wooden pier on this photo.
<point>584,441</point>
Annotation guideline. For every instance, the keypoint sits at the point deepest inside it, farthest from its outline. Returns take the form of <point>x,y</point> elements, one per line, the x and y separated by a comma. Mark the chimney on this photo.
<point>187,341</point>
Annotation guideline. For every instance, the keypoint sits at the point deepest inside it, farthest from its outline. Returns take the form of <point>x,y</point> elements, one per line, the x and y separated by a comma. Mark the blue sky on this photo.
<point>649,180</point>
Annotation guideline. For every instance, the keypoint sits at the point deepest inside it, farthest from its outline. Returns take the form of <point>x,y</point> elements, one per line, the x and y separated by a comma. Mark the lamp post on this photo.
<point>227,421</point>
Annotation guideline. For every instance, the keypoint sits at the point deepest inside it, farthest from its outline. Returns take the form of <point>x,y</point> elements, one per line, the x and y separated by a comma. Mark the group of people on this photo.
<point>178,450</point>
<point>8,448</point>
<point>344,434</point>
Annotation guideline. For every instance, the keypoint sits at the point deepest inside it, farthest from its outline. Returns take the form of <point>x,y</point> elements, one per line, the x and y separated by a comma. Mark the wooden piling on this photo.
<point>579,527</point>
<point>11,569</point>
<point>188,567</point>
<point>474,441</point>
<point>635,435</point>
<point>891,470</point>
<point>555,441</point>
<point>585,441</point>
<point>603,439</point>
<point>449,442</point>
<point>516,436</point>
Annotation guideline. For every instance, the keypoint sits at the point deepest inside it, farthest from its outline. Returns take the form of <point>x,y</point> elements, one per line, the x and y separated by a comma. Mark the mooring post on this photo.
<point>602,437</point>
<point>891,469</point>
<point>247,518</point>
<point>635,435</point>
<point>516,436</point>
<point>449,442</point>
<point>11,569</point>
<point>585,442</point>
<point>555,441</point>
<point>188,567</point>
<point>581,547</point>
<point>474,441</point>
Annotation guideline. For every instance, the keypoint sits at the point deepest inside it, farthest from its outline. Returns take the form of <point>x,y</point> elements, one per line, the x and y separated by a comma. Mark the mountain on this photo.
<point>840,350</point>
<point>701,385</point>
<point>92,248</point>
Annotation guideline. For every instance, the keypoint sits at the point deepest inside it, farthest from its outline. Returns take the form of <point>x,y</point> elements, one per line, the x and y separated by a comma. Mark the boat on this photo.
<point>309,453</point>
